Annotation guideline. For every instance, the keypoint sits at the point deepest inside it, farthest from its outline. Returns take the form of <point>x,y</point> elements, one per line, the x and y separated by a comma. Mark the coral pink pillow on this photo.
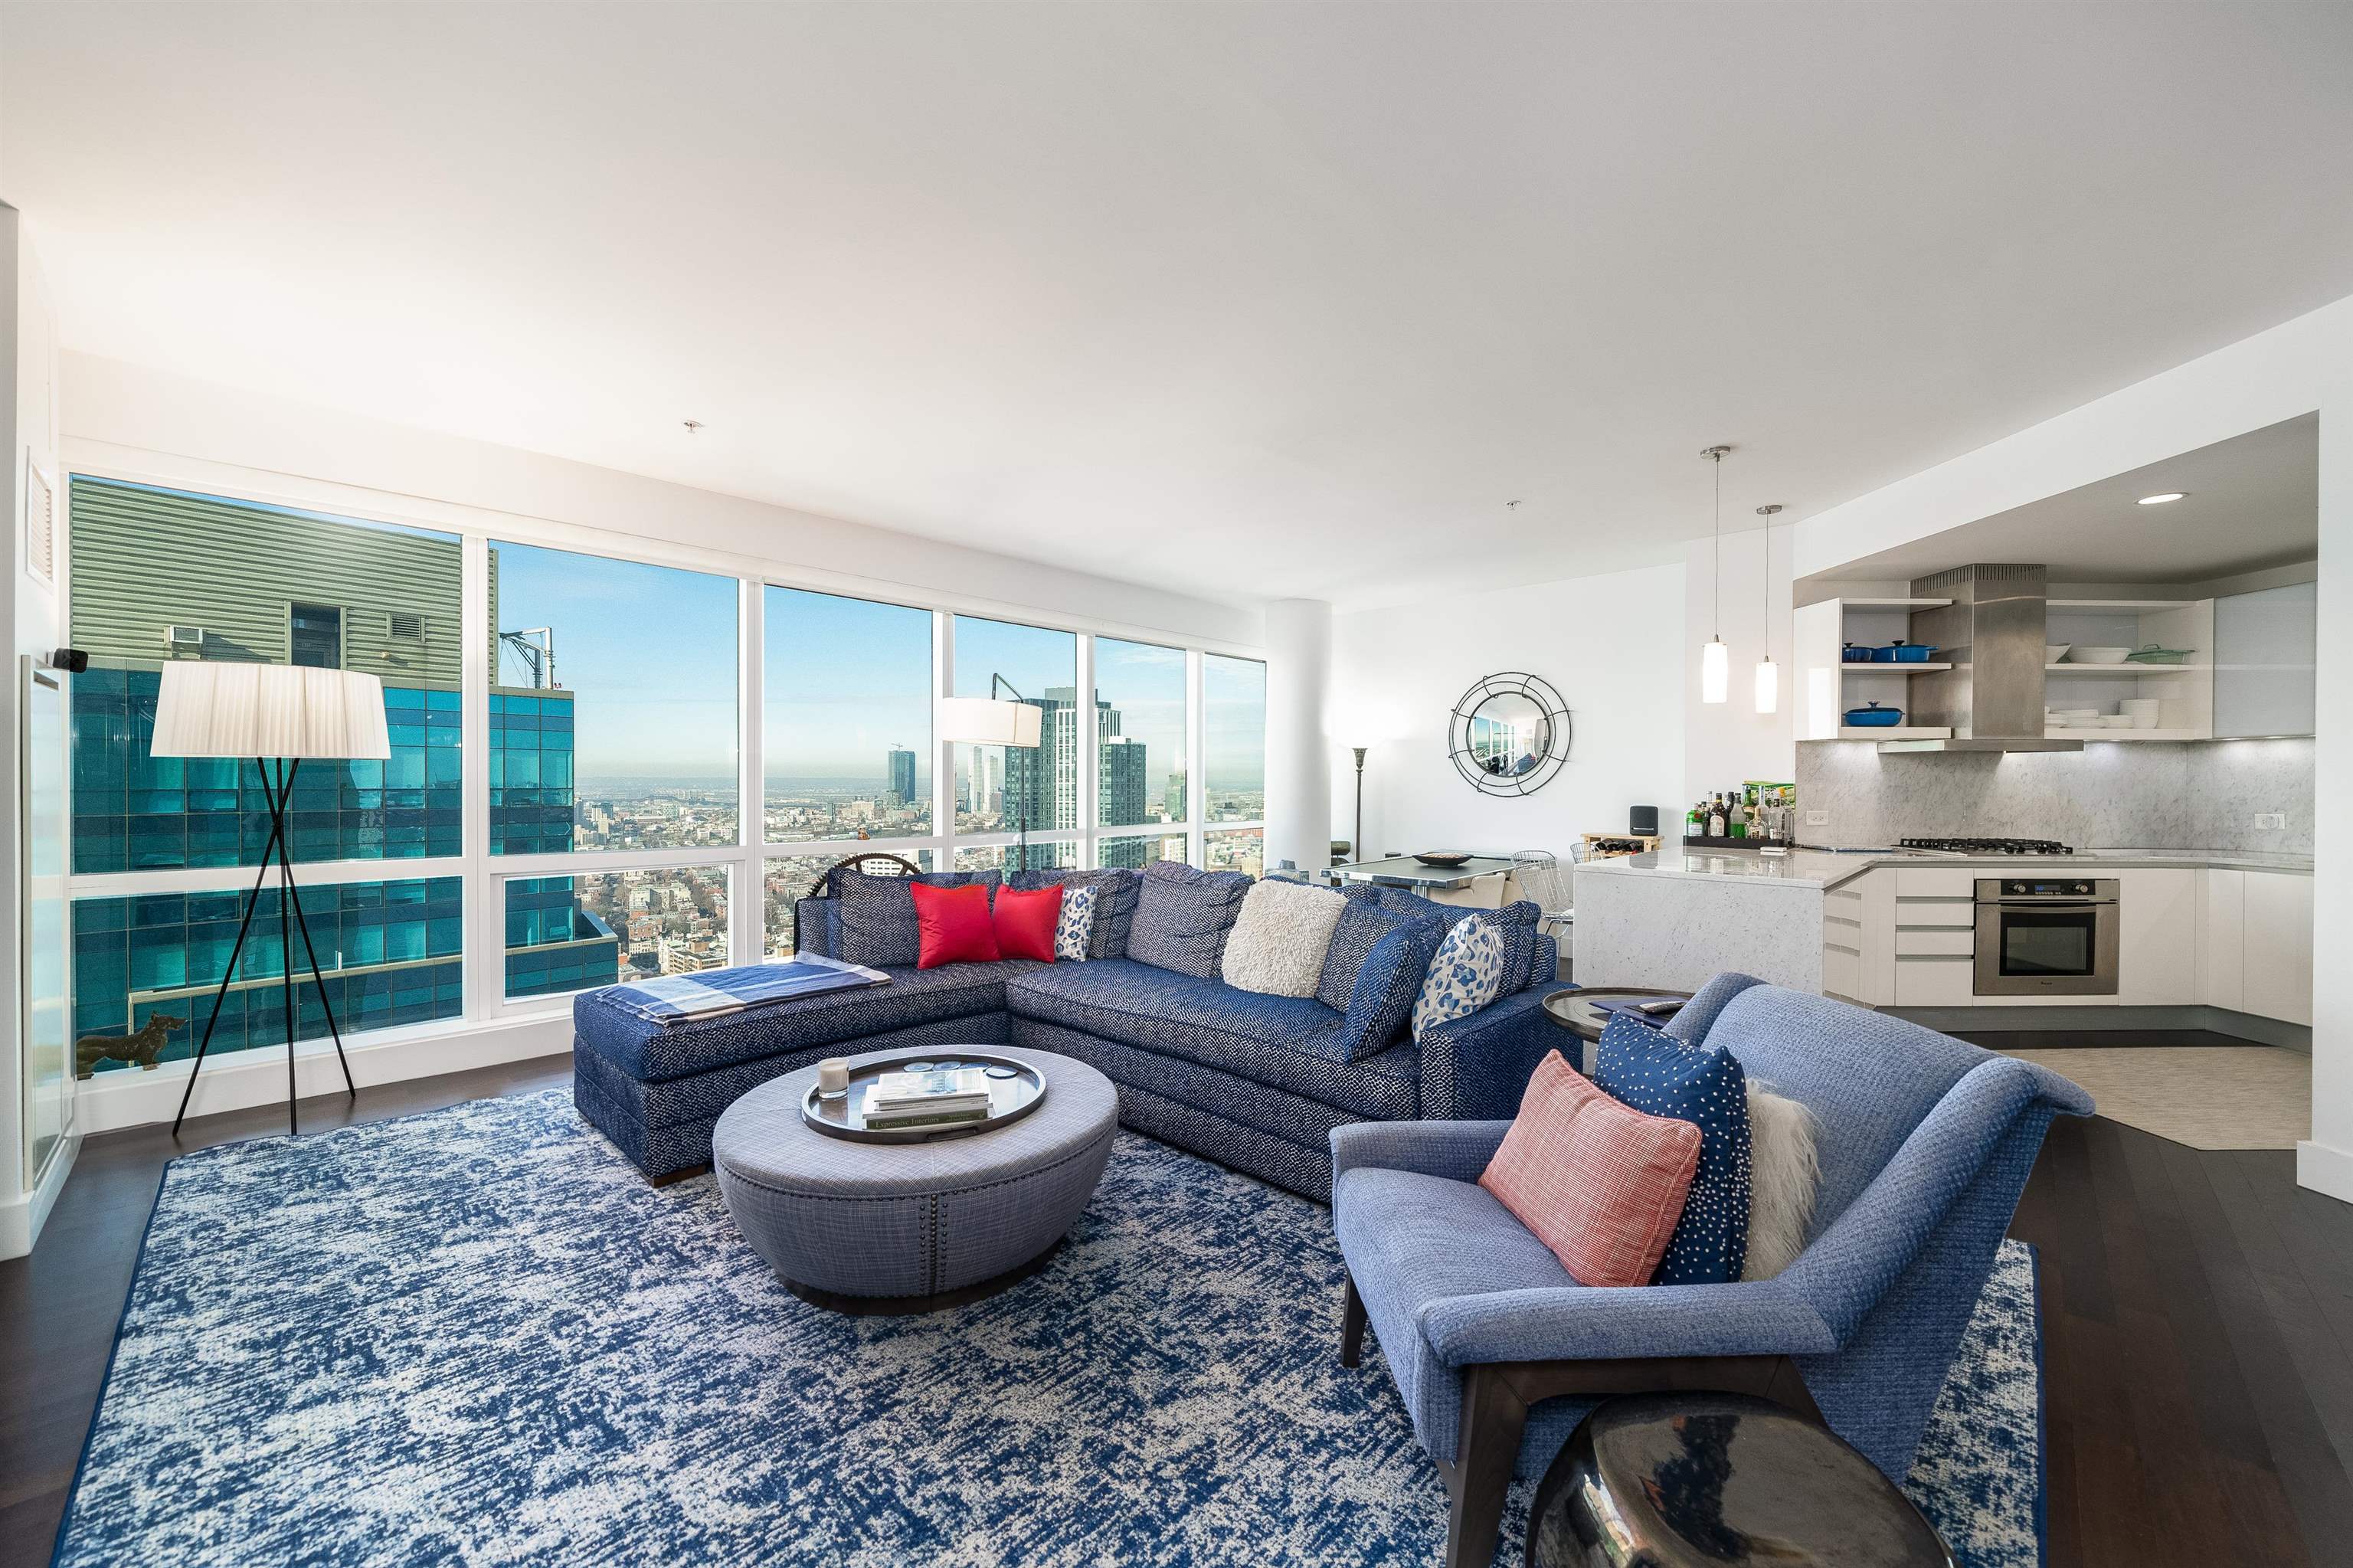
<point>1026,922</point>
<point>1598,1182</point>
<point>954,925</point>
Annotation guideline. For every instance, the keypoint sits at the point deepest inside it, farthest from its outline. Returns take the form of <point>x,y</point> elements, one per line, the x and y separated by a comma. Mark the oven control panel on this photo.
<point>2009,888</point>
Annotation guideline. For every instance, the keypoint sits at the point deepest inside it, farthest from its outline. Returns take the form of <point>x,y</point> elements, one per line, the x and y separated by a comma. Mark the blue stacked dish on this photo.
<point>1875,716</point>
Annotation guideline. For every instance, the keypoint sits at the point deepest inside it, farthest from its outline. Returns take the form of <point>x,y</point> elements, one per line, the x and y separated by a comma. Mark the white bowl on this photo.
<point>2081,655</point>
<point>2118,721</point>
<point>2138,705</point>
<point>2143,721</point>
<point>2054,651</point>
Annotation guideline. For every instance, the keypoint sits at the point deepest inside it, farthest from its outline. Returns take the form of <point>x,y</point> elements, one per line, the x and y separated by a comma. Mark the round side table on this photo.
<point>1720,1480</point>
<point>1574,1010</point>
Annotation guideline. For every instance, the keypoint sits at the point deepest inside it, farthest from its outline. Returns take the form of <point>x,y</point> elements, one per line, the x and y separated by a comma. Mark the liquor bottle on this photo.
<point>1692,823</point>
<point>1715,817</point>
<point>1736,820</point>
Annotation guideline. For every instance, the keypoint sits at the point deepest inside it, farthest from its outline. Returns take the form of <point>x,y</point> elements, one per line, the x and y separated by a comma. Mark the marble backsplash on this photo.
<point>2135,795</point>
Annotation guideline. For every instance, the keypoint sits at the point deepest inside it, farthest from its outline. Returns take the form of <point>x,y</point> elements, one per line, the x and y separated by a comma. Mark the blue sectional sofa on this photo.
<point>1254,1081</point>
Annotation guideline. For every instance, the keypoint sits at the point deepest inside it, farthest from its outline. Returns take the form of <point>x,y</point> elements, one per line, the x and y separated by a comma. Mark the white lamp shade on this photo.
<point>209,709</point>
<point>1769,687</point>
<point>1715,672</point>
<point>985,721</point>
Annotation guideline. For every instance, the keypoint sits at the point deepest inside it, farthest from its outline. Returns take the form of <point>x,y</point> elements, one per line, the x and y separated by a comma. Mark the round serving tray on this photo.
<point>1010,1099</point>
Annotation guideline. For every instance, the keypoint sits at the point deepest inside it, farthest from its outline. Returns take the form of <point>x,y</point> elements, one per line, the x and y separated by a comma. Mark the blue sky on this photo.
<point>650,653</point>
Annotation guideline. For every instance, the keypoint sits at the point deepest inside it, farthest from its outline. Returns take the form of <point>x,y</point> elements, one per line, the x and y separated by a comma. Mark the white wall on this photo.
<point>123,416</point>
<point>1726,744</point>
<point>1612,645</point>
<point>2295,368</point>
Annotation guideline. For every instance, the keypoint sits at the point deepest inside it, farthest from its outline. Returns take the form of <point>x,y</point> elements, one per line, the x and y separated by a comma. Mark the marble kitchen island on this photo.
<point>1674,918</point>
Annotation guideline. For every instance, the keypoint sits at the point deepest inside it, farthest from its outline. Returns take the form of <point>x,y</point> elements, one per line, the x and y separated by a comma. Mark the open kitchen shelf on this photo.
<point>1897,732</point>
<point>2127,670</point>
<point>1876,669</point>
<point>2055,733</point>
<point>1896,603</point>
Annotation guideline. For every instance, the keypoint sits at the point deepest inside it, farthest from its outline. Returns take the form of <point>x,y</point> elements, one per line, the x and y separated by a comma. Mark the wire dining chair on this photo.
<point>1544,883</point>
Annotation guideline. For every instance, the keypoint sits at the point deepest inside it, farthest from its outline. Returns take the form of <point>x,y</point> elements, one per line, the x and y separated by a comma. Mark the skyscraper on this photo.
<point>163,575</point>
<point>902,768</point>
<point>1119,781</point>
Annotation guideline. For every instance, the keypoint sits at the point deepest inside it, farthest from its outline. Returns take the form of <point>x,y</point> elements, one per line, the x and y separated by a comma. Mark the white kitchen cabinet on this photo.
<point>2278,962</point>
<point>2222,939</point>
<point>1926,981</point>
<point>2157,937</point>
<point>2263,661</point>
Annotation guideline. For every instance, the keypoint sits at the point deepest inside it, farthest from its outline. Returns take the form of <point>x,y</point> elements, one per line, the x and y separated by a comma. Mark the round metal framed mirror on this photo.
<point>1510,733</point>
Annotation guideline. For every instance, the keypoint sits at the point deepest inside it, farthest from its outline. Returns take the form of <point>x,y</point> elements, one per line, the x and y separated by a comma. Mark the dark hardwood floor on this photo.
<point>2198,1335</point>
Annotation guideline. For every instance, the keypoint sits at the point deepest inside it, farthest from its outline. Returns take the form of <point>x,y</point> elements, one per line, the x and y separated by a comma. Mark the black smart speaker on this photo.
<point>72,661</point>
<point>1644,820</point>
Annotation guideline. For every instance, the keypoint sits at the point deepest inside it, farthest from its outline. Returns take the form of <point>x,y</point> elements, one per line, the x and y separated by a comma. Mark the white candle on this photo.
<point>833,1077</point>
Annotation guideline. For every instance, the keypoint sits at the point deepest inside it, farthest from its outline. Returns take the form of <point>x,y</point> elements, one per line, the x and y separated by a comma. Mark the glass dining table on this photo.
<point>1404,870</point>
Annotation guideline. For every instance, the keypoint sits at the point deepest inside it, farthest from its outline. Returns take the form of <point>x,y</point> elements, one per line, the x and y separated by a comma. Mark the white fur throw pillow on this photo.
<point>1783,1177</point>
<point>1280,936</point>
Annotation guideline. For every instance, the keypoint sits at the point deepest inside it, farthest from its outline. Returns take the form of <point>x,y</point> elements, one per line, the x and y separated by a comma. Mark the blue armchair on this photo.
<point>1924,1143</point>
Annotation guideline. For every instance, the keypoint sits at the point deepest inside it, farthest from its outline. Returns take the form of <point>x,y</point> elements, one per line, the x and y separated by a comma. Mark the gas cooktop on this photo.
<point>1987,846</point>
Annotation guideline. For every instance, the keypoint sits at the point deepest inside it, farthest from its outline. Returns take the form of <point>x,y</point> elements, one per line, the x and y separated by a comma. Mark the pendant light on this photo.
<point>1714,658</point>
<point>1769,676</point>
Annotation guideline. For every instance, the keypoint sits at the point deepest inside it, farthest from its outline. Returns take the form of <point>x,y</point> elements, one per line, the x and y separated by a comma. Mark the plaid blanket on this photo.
<point>681,999</point>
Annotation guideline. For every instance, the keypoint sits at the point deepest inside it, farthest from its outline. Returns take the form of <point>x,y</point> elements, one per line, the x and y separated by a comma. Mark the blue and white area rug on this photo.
<point>477,1336</point>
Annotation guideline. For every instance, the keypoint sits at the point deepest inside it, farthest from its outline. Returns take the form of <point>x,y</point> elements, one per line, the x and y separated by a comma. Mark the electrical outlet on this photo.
<point>2270,820</point>
<point>1818,819</point>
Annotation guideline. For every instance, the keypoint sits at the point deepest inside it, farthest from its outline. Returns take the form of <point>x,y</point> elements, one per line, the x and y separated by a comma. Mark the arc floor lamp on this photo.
<point>991,721</point>
<point>286,715</point>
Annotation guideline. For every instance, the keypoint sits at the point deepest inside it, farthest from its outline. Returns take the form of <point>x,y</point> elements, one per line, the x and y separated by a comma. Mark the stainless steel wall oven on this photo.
<point>2046,936</point>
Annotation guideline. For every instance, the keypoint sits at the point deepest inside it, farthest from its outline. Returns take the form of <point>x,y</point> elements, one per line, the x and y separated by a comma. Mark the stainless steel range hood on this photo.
<point>1992,634</point>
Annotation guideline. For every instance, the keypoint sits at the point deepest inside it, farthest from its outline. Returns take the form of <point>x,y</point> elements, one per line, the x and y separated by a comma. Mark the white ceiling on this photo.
<point>2247,503</point>
<point>1243,300</point>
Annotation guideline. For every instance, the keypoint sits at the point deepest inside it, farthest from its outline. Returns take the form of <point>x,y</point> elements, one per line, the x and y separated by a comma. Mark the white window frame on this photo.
<point>484,875</point>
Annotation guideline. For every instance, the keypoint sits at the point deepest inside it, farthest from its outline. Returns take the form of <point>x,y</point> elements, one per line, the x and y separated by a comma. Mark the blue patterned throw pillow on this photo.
<point>1466,975</point>
<point>1362,926</point>
<point>1386,988</point>
<point>1183,916</point>
<point>1703,1085</point>
<point>876,915</point>
<point>1117,888</point>
<point>1076,925</point>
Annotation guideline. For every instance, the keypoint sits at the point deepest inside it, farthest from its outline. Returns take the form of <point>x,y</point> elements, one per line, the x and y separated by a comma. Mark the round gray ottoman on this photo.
<point>911,1227</point>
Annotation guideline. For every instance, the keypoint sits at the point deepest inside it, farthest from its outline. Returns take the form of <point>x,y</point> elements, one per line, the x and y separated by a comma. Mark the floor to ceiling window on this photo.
<point>615,747</point>
<point>1139,750</point>
<point>161,574</point>
<point>1025,790</point>
<point>1233,746</point>
<point>846,703</point>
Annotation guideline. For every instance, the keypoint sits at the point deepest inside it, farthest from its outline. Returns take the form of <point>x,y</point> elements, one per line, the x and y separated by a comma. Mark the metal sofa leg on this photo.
<point>1352,1326</point>
<point>1494,1418</point>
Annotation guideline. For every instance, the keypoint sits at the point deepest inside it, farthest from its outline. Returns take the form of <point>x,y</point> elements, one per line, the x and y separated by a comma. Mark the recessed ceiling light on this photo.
<point>2161,500</point>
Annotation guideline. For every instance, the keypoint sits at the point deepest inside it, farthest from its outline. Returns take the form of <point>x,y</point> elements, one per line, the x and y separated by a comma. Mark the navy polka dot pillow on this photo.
<point>1654,1073</point>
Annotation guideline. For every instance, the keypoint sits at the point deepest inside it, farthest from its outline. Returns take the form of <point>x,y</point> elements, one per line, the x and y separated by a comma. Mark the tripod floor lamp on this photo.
<point>286,715</point>
<point>989,721</point>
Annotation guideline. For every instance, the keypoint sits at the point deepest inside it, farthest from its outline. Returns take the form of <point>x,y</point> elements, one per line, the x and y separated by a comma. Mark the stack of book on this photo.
<point>927,1099</point>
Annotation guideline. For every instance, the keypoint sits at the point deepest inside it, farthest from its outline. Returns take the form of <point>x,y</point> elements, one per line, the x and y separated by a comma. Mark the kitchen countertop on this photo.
<point>1828,868</point>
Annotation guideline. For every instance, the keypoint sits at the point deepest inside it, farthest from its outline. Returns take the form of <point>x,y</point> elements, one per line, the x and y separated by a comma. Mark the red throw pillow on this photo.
<point>1026,922</point>
<point>1599,1182</point>
<point>955,926</point>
